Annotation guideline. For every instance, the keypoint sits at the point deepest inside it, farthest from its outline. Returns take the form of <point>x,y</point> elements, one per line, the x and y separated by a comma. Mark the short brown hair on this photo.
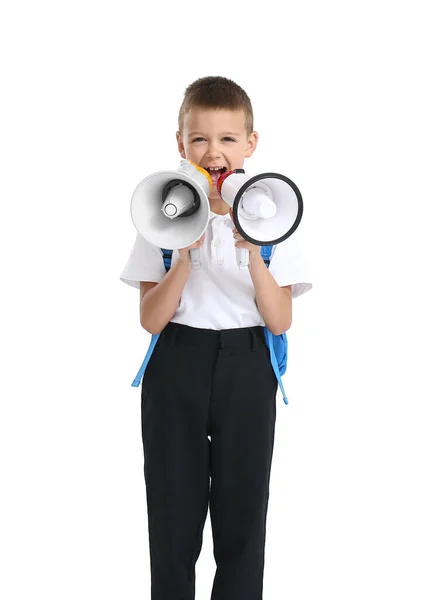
<point>216,92</point>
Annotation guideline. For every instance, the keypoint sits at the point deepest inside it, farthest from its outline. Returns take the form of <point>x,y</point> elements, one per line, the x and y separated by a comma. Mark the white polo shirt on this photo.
<point>220,295</point>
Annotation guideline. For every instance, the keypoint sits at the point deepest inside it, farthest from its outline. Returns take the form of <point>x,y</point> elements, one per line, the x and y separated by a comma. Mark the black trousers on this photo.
<point>198,384</point>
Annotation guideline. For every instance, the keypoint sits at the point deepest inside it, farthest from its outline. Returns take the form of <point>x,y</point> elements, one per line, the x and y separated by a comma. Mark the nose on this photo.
<point>213,150</point>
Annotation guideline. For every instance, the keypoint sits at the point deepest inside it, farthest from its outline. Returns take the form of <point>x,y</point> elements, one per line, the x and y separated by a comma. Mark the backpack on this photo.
<point>277,344</point>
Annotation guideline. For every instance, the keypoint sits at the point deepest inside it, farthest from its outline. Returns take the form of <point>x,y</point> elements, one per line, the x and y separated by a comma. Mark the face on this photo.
<point>216,140</point>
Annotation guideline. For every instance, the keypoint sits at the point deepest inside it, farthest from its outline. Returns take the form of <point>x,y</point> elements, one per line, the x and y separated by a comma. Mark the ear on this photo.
<point>252,144</point>
<point>180,144</point>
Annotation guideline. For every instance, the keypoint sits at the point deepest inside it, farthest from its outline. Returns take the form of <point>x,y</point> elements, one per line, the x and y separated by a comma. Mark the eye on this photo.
<point>229,139</point>
<point>198,139</point>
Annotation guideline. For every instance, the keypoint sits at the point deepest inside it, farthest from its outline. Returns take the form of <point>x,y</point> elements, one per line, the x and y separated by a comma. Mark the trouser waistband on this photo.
<point>244,337</point>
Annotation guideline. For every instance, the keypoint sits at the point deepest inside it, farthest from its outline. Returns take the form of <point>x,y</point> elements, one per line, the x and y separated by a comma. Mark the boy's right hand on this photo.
<point>184,252</point>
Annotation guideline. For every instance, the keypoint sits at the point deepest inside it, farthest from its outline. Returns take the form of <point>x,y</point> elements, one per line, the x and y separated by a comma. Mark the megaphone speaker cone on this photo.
<point>157,227</point>
<point>266,224</point>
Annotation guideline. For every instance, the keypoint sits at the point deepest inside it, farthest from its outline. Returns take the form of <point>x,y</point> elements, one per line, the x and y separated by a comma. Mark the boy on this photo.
<point>209,391</point>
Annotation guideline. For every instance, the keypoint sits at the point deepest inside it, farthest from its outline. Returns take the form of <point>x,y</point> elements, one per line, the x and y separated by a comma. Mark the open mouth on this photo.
<point>215,173</point>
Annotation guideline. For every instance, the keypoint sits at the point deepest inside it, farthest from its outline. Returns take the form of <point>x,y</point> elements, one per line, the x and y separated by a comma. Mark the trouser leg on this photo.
<point>243,423</point>
<point>176,467</point>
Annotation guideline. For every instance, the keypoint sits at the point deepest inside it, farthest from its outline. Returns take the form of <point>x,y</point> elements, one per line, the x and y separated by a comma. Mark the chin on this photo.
<point>214,194</point>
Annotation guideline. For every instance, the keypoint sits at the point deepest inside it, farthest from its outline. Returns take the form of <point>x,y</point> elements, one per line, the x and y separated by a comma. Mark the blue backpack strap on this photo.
<point>266,253</point>
<point>143,366</point>
<point>269,341</point>
<point>167,258</point>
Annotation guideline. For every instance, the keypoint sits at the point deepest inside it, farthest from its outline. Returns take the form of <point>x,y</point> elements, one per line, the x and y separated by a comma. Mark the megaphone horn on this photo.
<point>171,210</point>
<point>267,208</point>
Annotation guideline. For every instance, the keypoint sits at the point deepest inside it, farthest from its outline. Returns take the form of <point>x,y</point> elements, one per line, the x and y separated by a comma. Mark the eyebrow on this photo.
<point>225,133</point>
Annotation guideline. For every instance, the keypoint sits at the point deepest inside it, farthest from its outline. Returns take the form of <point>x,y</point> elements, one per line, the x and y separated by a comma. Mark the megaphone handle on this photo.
<point>242,257</point>
<point>195,258</point>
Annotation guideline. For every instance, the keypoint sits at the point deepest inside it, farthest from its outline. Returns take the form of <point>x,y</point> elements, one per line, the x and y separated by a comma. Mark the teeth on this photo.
<point>215,168</point>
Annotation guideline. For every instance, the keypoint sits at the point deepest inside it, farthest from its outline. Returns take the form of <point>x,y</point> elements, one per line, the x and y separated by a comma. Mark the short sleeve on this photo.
<point>145,263</point>
<point>289,265</point>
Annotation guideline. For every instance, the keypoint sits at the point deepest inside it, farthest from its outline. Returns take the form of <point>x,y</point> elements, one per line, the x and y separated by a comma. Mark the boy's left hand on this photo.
<point>240,242</point>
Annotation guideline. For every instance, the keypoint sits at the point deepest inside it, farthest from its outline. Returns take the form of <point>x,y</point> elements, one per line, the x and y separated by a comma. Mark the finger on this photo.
<point>199,243</point>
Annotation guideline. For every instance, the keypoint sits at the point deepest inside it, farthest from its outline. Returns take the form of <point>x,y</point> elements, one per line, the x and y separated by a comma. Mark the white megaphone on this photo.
<point>171,210</point>
<point>267,208</point>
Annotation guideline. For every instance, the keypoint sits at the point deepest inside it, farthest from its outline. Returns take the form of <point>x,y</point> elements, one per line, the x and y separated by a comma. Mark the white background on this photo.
<point>343,96</point>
